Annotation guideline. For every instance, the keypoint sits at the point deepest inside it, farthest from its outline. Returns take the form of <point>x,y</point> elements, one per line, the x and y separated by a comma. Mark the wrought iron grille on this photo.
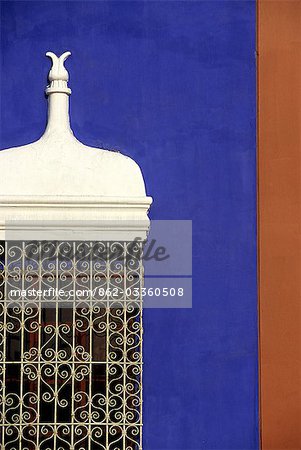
<point>71,345</point>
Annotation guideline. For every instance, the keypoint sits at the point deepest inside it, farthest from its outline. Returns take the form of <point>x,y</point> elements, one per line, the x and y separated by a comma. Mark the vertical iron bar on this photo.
<point>5,303</point>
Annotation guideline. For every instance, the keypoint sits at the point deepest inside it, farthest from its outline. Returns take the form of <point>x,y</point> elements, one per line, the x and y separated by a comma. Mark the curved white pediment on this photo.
<point>59,177</point>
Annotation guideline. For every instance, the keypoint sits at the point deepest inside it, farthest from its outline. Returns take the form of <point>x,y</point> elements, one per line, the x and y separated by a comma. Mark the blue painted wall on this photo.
<point>172,84</point>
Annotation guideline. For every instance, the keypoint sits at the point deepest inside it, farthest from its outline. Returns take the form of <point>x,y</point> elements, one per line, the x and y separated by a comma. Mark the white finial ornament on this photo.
<point>58,75</point>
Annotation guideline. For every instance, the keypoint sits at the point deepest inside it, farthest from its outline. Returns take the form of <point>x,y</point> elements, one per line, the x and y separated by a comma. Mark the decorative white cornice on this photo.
<point>77,218</point>
<point>74,201</point>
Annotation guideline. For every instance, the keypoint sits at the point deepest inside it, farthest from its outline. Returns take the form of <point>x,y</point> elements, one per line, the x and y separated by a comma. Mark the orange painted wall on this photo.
<point>279,227</point>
